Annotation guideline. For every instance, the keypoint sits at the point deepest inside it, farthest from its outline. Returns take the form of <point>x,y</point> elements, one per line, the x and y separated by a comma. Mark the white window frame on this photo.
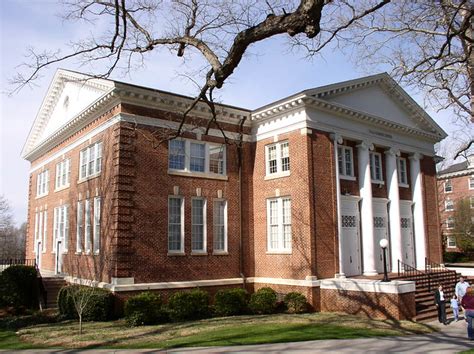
<point>90,160</point>
<point>448,183</point>
<point>61,227</point>
<point>36,230</point>
<point>218,225</point>
<point>279,157</point>
<point>402,172</point>
<point>96,226</point>
<point>373,176</point>
<point>42,184</point>
<point>449,203</point>
<point>207,173</point>
<point>470,182</point>
<point>87,226</point>
<point>204,226</point>
<point>79,226</point>
<point>280,248</point>
<point>63,174</point>
<point>451,242</point>
<point>471,201</point>
<point>341,152</point>
<point>450,223</point>
<point>181,248</point>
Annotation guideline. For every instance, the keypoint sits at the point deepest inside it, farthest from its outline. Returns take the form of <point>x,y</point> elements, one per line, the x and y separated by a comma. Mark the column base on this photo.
<point>370,273</point>
<point>340,276</point>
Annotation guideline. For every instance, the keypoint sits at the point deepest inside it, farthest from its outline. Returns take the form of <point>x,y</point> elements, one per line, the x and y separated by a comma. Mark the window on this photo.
<point>471,182</point>
<point>96,227</point>
<point>61,228</point>
<point>79,226</point>
<point>471,202</point>
<point>63,173</point>
<point>451,242</point>
<point>42,183</point>
<point>196,157</point>
<point>448,205</point>
<point>220,225</point>
<point>198,221</point>
<point>175,224</point>
<point>450,223</point>
<point>402,171</point>
<point>41,228</point>
<point>376,167</point>
<point>90,161</point>
<point>278,158</point>
<point>279,224</point>
<point>448,187</point>
<point>87,225</point>
<point>345,161</point>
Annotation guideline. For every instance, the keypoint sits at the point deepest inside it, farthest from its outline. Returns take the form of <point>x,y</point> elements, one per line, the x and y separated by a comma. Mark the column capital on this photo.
<point>365,145</point>
<point>392,152</point>
<point>337,138</point>
<point>416,156</point>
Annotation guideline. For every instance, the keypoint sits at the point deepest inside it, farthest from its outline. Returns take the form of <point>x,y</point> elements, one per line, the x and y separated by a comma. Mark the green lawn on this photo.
<point>10,340</point>
<point>210,332</point>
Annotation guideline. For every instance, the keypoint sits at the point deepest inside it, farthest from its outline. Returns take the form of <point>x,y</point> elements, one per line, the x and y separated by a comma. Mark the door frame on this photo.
<point>384,202</point>
<point>356,200</point>
<point>409,205</point>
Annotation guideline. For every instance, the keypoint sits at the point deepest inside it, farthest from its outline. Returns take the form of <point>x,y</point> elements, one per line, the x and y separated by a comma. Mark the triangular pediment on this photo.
<point>378,96</point>
<point>69,94</point>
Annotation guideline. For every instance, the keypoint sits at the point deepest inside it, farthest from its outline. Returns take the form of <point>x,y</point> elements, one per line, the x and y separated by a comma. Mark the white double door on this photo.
<point>380,221</point>
<point>59,251</point>
<point>406,226</point>
<point>350,236</point>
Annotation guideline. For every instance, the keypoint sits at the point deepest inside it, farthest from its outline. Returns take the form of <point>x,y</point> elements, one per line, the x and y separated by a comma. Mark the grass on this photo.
<point>10,340</point>
<point>215,332</point>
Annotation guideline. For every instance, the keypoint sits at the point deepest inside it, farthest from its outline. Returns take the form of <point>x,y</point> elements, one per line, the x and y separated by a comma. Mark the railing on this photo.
<point>43,294</point>
<point>439,272</point>
<point>7,262</point>
<point>407,271</point>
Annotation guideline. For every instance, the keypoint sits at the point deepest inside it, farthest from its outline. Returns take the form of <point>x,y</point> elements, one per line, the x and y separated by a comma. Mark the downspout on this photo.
<point>337,139</point>
<point>240,158</point>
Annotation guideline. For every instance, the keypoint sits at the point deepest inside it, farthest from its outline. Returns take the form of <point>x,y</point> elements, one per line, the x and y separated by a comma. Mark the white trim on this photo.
<point>450,185</point>
<point>203,250</point>
<point>343,175</point>
<point>182,211</point>
<point>280,249</point>
<point>283,281</point>
<point>373,177</point>
<point>223,251</point>
<point>370,286</point>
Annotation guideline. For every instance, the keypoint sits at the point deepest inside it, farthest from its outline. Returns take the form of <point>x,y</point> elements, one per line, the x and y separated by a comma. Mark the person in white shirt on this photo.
<point>460,288</point>
<point>440,302</point>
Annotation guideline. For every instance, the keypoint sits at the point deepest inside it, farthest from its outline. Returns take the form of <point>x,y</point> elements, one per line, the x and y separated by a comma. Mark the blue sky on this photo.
<point>269,73</point>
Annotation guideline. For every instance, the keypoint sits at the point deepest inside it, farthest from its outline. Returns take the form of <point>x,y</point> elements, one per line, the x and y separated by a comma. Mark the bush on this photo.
<point>13,323</point>
<point>457,257</point>
<point>295,303</point>
<point>98,303</point>
<point>231,302</point>
<point>19,287</point>
<point>188,305</point>
<point>144,309</point>
<point>263,301</point>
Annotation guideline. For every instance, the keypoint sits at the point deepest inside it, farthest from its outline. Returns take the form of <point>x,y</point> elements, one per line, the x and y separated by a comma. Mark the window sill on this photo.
<point>88,178</point>
<point>177,253</point>
<point>199,253</point>
<point>41,196</point>
<point>348,178</point>
<point>277,175</point>
<point>377,182</point>
<point>220,253</point>
<point>279,252</point>
<point>198,174</point>
<point>404,185</point>
<point>61,188</point>
<point>78,253</point>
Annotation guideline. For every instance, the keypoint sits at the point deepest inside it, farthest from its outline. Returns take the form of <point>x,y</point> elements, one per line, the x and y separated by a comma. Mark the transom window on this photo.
<point>220,225</point>
<point>90,161</point>
<point>345,161</point>
<point>449,205</point>
<point>471,182</point>
<point>402,171</point>
<point>278,158</point>
<point>450,223</point>
<point>376,167</point>
<point>448,187</point>
<point>198,220</point>
<point>175,224</point>
<point>63,173</point>
<point>42,183</point>
<point>192,156</point>
<point>279,224</point>
<point>61,227</point>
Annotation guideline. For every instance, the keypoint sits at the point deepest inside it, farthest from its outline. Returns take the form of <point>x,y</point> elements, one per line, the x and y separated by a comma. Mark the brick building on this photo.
<point>455,182</point>
<point>298,198</point>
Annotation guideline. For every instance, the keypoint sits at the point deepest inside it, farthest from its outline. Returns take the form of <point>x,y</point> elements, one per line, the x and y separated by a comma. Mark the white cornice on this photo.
<point>466,172</point>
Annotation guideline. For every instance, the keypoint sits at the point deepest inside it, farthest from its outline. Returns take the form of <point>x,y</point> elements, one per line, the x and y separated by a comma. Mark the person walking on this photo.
<point>440,302</point>
<point>455,307</point>
<point>460,288</point>
<point>468,306</point>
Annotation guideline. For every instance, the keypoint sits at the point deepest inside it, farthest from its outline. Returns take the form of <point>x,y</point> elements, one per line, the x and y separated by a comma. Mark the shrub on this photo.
<point>295,303</point>
<point>188,305</point>
<point>13,323</point>
<point>263,301</point>
<point>144,309</point>
<point>19,287</point>
<point>231,302</point>
<point>98,303</point>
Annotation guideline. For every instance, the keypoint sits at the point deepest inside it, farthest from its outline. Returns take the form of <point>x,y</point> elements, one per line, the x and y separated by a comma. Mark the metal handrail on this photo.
<point>42,290</point>
<point>439,269</point>
<point>408,271</point>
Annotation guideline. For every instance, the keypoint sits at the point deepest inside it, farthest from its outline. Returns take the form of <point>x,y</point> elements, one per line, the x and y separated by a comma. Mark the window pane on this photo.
<point>219,225</point>
<point>174,224</point>
<point>272,159</point>
<point>176,157</point>
<point>348,161</point>
<point>216,159</point>
<point>285,157</point>
<point>197,215</point>
<point>340,160</point>
<point>197,157</point>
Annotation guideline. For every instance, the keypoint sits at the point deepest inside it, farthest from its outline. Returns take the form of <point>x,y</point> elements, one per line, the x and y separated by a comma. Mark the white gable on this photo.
<point>375,101</point>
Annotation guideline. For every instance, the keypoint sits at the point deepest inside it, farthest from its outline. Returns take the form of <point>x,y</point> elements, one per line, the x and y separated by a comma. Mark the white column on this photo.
<point>366,212</point>
<point>418,212</point>
<point>337,139</point>
<point>394,206</point>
